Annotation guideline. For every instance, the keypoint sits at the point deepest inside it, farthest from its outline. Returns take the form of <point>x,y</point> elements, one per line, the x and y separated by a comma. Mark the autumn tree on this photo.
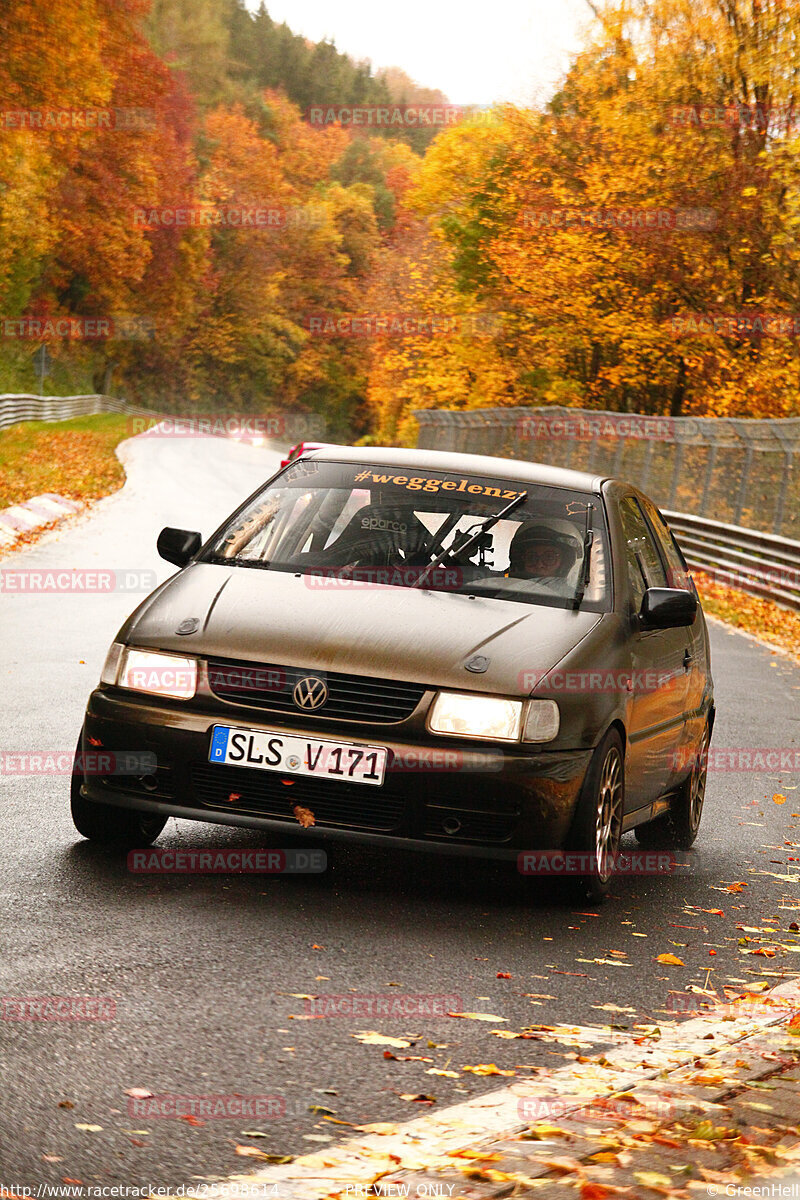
<point>597,313</point>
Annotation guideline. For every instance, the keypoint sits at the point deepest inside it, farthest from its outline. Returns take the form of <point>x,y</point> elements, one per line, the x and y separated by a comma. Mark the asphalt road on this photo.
<point>202,967</point>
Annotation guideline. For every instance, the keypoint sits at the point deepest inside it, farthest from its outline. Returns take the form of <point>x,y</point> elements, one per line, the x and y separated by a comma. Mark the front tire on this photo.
<point>597,825</point>
<point>125,828</point>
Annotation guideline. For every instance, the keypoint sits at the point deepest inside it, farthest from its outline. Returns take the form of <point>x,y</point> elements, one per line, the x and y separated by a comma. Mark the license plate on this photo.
<point>268,750</point>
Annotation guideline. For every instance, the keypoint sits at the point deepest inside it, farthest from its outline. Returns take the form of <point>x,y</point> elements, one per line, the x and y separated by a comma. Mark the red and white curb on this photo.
<point>42,510</point>
<point>665,1069</point>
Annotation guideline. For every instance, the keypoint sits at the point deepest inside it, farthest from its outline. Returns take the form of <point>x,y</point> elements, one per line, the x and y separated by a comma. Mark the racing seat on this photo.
<point>381,535</point>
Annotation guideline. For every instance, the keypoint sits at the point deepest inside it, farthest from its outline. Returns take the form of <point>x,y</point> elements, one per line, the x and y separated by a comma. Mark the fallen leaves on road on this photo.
<point>371,1037</point>
<point>138,1093</point>
<point>417,1097</point>
<point>653,1179</point>
<point>476,1016</point>
<point>755,615</point>
<point>90,1128</point>
<point>487,1069</point>
<point>671,960</point>
<point>261,1155</point>
<point>480,1155</point>
<point>406,1057</point>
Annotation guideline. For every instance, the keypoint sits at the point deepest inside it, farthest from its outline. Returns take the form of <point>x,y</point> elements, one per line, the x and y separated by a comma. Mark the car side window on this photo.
<point>677,573</point>
<point>645,569</point>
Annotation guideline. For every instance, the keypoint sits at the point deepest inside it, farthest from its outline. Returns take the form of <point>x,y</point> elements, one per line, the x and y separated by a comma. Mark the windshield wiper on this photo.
<point>583,581</point>
<point>471,539</point>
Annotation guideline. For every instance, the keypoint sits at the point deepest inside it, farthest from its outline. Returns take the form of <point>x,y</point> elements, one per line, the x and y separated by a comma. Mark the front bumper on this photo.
<point>439,794</point>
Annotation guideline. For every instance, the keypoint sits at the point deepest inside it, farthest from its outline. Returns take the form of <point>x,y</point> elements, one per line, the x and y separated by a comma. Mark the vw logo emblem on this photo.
<point>310,692</point>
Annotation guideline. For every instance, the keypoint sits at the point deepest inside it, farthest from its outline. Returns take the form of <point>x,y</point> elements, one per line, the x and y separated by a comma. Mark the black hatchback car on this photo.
<point>450,652</point>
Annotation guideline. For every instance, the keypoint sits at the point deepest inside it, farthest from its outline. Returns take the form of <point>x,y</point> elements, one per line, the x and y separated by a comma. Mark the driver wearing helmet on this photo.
<point>544,556</point>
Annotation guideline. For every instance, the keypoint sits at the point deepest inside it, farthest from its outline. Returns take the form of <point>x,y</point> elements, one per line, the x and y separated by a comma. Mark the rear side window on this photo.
<point>645,569</point>
<point>677,573</point>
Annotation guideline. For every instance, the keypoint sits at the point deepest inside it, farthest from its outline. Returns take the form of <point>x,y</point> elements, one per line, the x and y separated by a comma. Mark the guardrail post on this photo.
<point>676,474</point>
<point>712,459</point>
<point>646,465</point>
<point>788,464</point>
<point>742,496</point>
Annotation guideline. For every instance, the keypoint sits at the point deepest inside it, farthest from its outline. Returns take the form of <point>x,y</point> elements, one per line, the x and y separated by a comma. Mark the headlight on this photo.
<point>476,716</point>
<point>158,674</point>
<point>542,721</point>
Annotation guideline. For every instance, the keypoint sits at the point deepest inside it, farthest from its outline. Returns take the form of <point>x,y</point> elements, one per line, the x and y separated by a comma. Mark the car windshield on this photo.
<point>355,524</point>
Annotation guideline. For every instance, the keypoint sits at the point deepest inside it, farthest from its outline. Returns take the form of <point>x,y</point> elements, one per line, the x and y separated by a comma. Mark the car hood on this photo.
<point>388,632</point>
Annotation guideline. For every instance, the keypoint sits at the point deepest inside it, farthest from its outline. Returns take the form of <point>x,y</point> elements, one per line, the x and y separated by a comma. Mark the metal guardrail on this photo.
<point>741,471</point>
<point>759,563</point>
<point>16,408</point>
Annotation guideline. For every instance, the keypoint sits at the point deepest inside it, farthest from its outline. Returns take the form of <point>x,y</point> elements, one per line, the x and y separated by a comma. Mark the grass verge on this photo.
<point>778,626</point>
<point>74,458</point>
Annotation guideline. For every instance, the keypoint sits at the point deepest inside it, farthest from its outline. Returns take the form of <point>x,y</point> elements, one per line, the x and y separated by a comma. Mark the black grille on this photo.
<point>350,697</point>
<point>350,805</point>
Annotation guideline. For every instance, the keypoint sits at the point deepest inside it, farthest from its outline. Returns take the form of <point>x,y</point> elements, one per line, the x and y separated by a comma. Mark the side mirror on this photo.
<point>178,546</point>
<point>667,608</point>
